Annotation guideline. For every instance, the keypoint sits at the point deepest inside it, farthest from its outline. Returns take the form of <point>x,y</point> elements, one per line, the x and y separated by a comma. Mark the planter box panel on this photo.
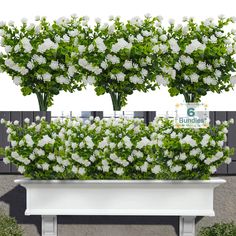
<point>120,197</point>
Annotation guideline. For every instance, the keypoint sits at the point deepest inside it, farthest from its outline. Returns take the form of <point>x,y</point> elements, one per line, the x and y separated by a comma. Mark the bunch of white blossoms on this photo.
<point>202,55</point>
<point>118,59</point>
<point>191,153</point>
<point>36,56</point>
<point>115,149</point>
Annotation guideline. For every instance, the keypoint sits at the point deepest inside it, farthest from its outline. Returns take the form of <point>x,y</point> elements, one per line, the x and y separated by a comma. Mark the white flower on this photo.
<point>156,169</point>
<point>39,152</point>
<point>98,20</point>
<point>47,77</point>
<point>225,130</point>
<point>113,59</point>
<point>136,79</point>
<point>208,80</point>
<point>17,80</point>
<point>29,140</point>
<point>144,72</point>
<point>2,23</point>
<point>58,168</point>
<point>233,80</point>
<point>143,142</point>
<point>127,142</point>
<point>201,65</point>
<point>45,166</point>
<point>147,15</point>
<point>104,65</point>
<point>163,38</point>
<point>16,122</point>
<point>120,76</point>
<point>27,120</point>
<point>74,169</point>
<point>6,160</point>
<point>156,48</point>
<point>91,48</point>
<point>189,140</point>
<point>188,166</point>
<point>202,157</point>
<point>194,78</point>
<point>163,48</point>
<point>182,156</point>
<point>89,80</point>
<point>89,142</point>
<point>228,160</point>
<point>26,45</point>
<point>174,45</point>
<point>81,48</point>
<point>194,45</point>
<point>13,143</point>
<point>146,33</point>
<point>65,38</point>
<point>39,59</point>
<point>51,156</point>
<point>121,44</point>
<point>176,168</point>
<point>21,169</point>
<point>171,21</point>
<point>128,65</point>
<point>45,140</point>
<point>21,143</point>
<point>54,65</point>
<point>144,167</point>
<point>8,48</point>
<point>100,44</point>
<point>47,45</point>
<point>213,169</point>
<point>161,80</point>
<point>118,171</point>
<point>213,39</point>
<point>187,60</point>
<point>62,80</point>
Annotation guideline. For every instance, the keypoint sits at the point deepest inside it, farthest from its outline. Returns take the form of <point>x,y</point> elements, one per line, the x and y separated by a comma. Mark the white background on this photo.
<point>10,95</point>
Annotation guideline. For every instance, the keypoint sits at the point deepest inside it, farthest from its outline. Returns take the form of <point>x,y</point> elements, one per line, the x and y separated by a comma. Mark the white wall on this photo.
<point>10,95</point>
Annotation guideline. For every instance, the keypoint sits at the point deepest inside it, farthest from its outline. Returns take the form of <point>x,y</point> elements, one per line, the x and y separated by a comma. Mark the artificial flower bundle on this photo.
<point>119,57</point>
<point>202,55</point>
<point>115,149</point>
<point>36,57</point>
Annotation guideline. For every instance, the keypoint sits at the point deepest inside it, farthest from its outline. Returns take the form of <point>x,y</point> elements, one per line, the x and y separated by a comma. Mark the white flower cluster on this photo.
<point>15,67</point>
<point>88,66</point>
<point>47,45</point>
<point>121,44</point>
<point>115,148</point>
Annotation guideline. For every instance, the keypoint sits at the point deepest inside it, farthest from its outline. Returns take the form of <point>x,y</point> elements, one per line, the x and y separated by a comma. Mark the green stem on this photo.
<point>190,98</point>
<point>116,101</point>
<point>43,101</point>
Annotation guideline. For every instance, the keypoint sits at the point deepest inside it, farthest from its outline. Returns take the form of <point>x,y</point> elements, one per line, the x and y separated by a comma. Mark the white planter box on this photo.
<point>187,199</point>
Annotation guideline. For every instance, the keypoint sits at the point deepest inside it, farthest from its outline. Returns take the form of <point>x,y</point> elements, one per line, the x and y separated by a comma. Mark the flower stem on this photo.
<point>116,101</point>
<point>43,101</point>
<point>190,98</point>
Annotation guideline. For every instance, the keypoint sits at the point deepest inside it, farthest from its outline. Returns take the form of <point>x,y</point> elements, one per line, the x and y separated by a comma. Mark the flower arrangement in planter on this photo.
<point>116,149</point>
<point>36,57</point>
<point>117,58</point>
<point>202,54</point>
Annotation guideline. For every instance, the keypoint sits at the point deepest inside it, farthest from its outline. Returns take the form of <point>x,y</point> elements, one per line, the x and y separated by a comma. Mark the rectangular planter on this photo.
<point>188,198</point>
